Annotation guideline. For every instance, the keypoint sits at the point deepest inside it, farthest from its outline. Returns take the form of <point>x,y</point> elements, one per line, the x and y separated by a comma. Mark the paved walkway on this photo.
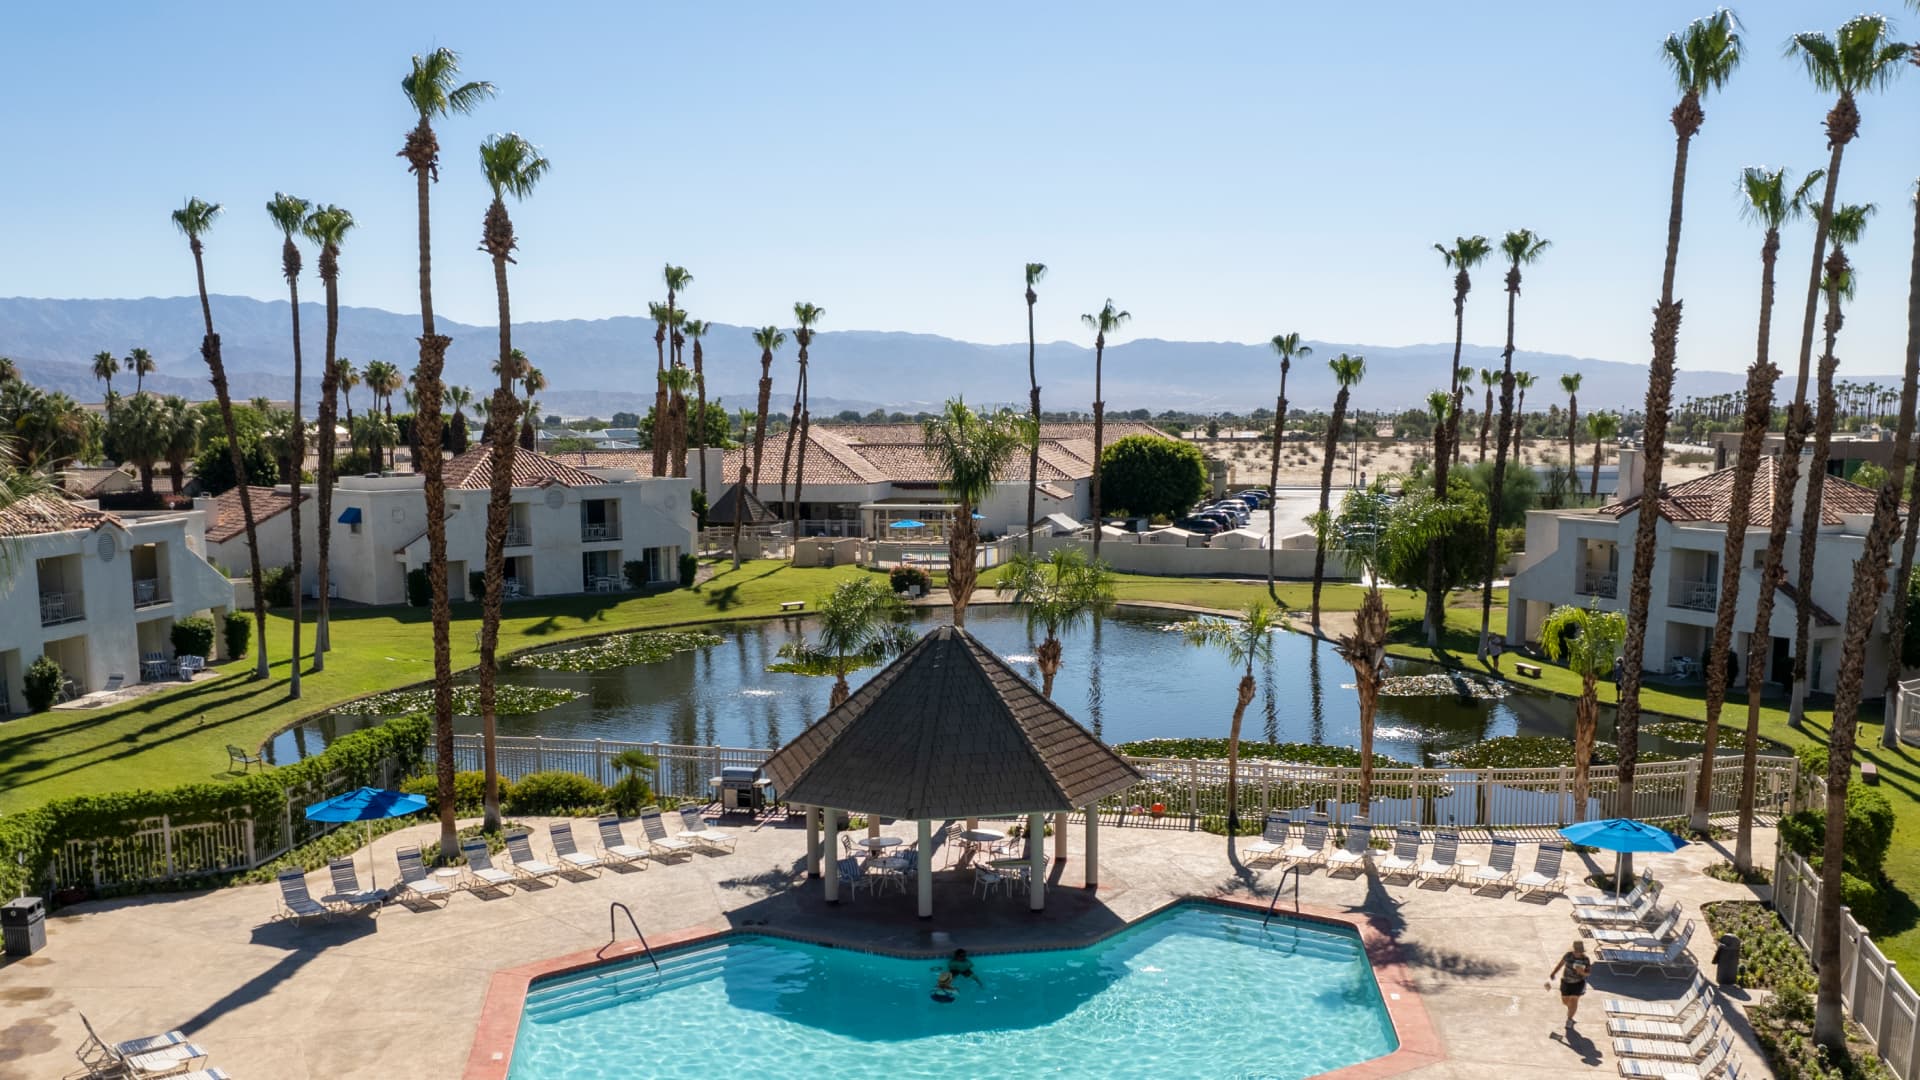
<point>401,994</point>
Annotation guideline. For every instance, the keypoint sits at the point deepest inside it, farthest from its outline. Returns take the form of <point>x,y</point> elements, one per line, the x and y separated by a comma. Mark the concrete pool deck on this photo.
<point>404,992</point>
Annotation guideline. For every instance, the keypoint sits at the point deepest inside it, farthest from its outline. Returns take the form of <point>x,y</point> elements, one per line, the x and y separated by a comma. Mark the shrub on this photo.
<point>904,577</point>
<point>419,589</point>
<point>193,636</point>
<point>238,630</point>
<point>1144,475</point>
<point>1869,832</point>
<point>1513,540</point>
<point>476,584</point>
<point>556,793</point>
<point>469,790</point>
<point>41,684</point>
<point>689,569</point>
<point>278,583</point>
<point>636,572</point>
<point>1865,899</point>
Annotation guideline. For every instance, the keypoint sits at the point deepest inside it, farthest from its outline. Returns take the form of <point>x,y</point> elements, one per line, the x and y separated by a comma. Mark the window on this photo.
<point>663,563</point>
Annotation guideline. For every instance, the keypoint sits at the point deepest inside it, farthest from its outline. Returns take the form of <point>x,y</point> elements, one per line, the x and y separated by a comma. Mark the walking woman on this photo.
<point>1572,970</point>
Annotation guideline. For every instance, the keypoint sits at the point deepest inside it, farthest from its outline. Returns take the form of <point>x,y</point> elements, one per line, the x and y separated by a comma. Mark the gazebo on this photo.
<point>755,513</point>
<point>949,731</point>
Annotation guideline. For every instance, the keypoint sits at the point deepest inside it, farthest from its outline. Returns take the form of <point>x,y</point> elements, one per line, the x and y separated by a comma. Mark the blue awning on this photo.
<point>350,516</point>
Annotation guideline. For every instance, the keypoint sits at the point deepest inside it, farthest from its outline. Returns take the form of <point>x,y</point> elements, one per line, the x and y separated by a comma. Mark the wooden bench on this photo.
<point>1869,772</point>
<point>1531,671</point>
<point>237,756</point>
<point>794,605</point>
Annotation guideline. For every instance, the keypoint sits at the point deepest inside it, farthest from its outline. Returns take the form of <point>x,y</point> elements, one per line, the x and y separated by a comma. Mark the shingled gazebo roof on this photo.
<point>755,512</point>
<point>948,730</point>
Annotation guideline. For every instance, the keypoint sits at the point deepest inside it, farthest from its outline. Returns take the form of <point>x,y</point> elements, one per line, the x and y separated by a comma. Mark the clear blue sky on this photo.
<point>1226,171</point>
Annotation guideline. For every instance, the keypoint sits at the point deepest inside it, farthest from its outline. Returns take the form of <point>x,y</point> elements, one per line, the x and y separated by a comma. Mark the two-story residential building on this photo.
<point>97,592</point>
<point>1583,557</point>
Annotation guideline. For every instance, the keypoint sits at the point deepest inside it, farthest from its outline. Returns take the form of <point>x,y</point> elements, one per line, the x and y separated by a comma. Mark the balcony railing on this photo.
<point>1697,595</point>
<point>518,536</point>
<point>601,531</point>
<point>147,592</point>
<point>60,607</point>
<point>1601,583</point>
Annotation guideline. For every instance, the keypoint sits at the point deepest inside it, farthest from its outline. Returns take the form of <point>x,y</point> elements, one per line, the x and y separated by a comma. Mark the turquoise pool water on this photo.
<point>1196,991</point>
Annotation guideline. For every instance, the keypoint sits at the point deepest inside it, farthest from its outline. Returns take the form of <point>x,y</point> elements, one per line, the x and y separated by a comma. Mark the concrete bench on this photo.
<point>1869,772</point>
<point>794,605</point>
<point>1531,671</point>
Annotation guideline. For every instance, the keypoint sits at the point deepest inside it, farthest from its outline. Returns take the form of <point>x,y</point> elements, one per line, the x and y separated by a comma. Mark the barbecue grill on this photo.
<point>741,787</point>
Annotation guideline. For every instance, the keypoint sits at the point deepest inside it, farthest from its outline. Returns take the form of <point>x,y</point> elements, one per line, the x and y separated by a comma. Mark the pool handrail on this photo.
<point>613,934</point>
<point>1271,904</point>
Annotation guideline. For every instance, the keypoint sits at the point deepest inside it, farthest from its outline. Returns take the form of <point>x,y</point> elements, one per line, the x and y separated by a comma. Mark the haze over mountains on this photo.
<point>603,365</point>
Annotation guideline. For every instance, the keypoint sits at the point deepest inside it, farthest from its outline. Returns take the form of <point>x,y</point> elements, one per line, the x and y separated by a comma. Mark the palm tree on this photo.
<point>327,227</point>
<point>1522,382</point>
<point>769,338</point>
<point>805,316</point>
<point>1107,321</point>
<point>382,380</point>
<point>370,431</point>
<point>1702,58</point>
<point>1601,427</point>
<point>1245,641</point>
<point>1767,201</point>
<point>142,364</point>
<point>740,491</point>
<point>1488,379</point>
<point>534,381</point>
<point>1571,384</point>
<point>349,378</point>
<point>1287,347</point>
<point>1466,253</point>
<point>679,381</point>
<point>1347,372</point>
<point>970,449</point>
<point>1897,619</point>
<point>697,329</point>
<point>676,278</point>
<point>183,427</point>
<point>289,215</point>
<point>1586,640</point>
<point>1521,247</point>
<point>1849,221</point>
<point>193,220</point>
<point>1365,649</point>
<point>139,433</point>
<point>9,372</point>
<point>106,366</point>
<point>661,314</point>
<point>1059,593</point>
<point>1035,271</point>
<point>456,438</point>
<point>433,91</point>
<point>861,622</point>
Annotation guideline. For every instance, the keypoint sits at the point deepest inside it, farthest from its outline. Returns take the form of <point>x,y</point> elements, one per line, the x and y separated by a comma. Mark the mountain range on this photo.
<point>598,366</point>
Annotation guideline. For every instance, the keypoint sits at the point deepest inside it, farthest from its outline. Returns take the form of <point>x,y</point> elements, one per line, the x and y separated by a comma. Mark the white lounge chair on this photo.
<point>346,888</point>
<point>1700,991</point>
<point>613,845</point>
<point>1720,1057</point>
<point>295,903</point>
<point>1498,869</point>
<point>1442,864</point>
<point>1636,937</point>
<point>1643,911</point>
<point>1674,957</point>
<point>693,826</point>
<point>564,849</point>
<point>154,1055</point>
<point>1272,843</point>
<point>658,842</point>
<point>1683,1026</point>
<point>520,857</point>
<point>1405,856</point>
<point>1358,848</point>
<point>146,1044</point>
<point>480,867</point>
<point>415,881</point>
<point>1312,845</point>
<point>1640,889</point>
<point>1546,871</point>
<point>1700,1046</point>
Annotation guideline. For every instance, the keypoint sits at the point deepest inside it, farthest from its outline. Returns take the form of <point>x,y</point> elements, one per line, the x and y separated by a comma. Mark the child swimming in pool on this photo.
<point>961,966</point>
<point>943,987</point>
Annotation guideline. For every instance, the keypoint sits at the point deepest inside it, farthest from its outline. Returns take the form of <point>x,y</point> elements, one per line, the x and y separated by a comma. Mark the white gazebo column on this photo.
<point>923,869</point>
<point>1060,836</point>
<point>833,844</point>
<point>813,840</point>
<point>1092,853</point>
<point>1036,862</point>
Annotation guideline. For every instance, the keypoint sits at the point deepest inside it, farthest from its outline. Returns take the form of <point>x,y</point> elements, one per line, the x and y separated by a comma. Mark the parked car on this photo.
<point>1203,526</point>
<point>1234,512</point>
<point>1221,521</point>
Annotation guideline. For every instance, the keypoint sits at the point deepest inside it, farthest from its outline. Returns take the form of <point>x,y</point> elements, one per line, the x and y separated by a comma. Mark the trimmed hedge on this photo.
<point>545,793</point>
<point>239,632</point>
<point>192,636</point>
<point>41,683</point>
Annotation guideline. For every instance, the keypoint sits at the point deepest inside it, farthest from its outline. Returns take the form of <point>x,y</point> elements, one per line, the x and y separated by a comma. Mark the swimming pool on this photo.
<point>1197,990</point>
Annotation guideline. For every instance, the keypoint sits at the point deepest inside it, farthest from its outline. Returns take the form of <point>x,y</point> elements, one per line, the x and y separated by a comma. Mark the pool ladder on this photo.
<point>613,931</point>
<point>1295,871</point>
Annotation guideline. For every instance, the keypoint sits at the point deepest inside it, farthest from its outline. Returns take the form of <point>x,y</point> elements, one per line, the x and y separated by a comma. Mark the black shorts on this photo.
<point>1572,989</point>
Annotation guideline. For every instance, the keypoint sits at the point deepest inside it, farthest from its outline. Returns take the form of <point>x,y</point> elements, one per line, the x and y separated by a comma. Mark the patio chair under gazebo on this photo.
<point>949,731</point>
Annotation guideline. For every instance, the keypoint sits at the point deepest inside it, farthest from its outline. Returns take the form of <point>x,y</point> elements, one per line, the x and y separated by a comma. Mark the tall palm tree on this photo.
<point>1522,382</point>
<point>805,316</point>
<point>1059,593</point>
<point>861,622</point>
<point>661,314</point>
<point>1347,372</point>
<point>1586,640</point>
<point>1702,58</point>
<point>1106,321</point>
<point>457,434</point>
<point>1466,253</point>
<point>1364,648</point>
<point>105,367</point>
<point>433,91</point>
<point>533,380</point>
<point>327,227</point>
<point>289,215</point>
<point>382,380</point>
<point>769,338</point>
<point>1489,378</point>
<point>183,426</point>
<point>697,329</point>
<point>970,449</point>
<point>1245,641</point>
<point>676,279</point>
<point>1769,202</point>
<point>1601,427</point>
<point>193,220</point>
<point>1570,382</point>
<point>140,435</point>
<point>1521,248</point>
<point>740,491</point>
<point>349,378</point>
<point>512,166</point>
<point>142,364</point>
<point>1849,221</point>
<point>1035,271</point>
<point>1288,348</point>
<point>679,381</point>
<point>1897,619</point>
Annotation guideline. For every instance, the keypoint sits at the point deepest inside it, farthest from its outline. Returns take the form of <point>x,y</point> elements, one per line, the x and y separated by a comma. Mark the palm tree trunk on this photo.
<point>291,257</point>
<point>498,230</point>
<point>1443,429</point>
<point>1666,343</point>
<point>329,421</point>
<point>1099,435</point>
<point>962,544</point>
<point>1497,493</point>
<point>1273,482</point>
<point>1033,407</point>
<point>1897,623</point>
<point>739,508</point>
<point>806,422</point>
<point>661,429</point>
<point>760,421</point>
<point>1486,422</point>
<point>1233,751</point>
<point>1573,436</point>
<point>700,418</point>
<point>1368,691</point>
<point>1326,496</point>
<point>786,456</point>
<point>1586,720</point>
<point>1816,485</point>
<point>1048,657</point>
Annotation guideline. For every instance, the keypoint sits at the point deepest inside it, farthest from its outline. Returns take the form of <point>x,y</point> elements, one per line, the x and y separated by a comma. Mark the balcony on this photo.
<point>1600,583</point>
<point>61,607</point>
<point>148,593</point>
<point>590,533</point>
<point>1696,595</point>
<point>519,536</point>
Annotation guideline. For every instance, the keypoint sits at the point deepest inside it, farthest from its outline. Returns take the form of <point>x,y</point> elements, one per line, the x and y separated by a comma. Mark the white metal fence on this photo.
<point>1877,996</point>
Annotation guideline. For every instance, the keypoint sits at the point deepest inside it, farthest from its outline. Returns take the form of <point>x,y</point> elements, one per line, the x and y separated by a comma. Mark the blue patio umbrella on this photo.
<point>907,523</point>
<point>367,804</point>
<point>1622,835</point>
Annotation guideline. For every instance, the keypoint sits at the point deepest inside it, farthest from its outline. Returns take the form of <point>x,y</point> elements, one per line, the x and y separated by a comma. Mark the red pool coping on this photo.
<point>492,1052</point>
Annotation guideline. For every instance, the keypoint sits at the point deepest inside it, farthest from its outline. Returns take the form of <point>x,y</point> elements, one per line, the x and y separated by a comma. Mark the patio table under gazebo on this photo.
<point>948,731</point>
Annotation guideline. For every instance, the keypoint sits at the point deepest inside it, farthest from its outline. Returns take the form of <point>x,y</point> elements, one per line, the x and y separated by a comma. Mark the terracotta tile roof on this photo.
<point>473,470</point>
<point>226,520</point>
<point>37,515</point>
<point>1710,498</point>
<point>640,461</point>
<point>897,453</point>
<point>948,730</point>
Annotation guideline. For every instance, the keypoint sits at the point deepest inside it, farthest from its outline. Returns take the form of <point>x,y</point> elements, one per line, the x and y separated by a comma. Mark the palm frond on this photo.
<point>511,165</point>
<point>1035,271</point>
<point>289,213</point>
<point>327,225</point>
<point>196,217</point>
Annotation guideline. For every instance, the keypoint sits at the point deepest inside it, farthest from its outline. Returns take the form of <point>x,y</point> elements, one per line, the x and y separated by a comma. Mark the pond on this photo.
<point>1125,676</point>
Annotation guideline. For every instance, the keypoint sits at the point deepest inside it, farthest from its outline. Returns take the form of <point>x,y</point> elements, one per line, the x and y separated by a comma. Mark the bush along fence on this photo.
<point>131,839</point>
<point>1181,792</point>
<point>1876,995</point>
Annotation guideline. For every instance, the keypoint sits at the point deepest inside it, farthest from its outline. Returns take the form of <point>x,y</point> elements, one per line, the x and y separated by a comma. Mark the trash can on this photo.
<point>23,925</point>
<point>1726,961</point>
